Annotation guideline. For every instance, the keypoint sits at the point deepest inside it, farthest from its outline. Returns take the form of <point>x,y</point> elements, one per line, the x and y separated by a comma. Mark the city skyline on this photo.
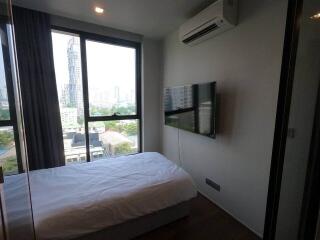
<point>105,76</point>
<point>111,88</point>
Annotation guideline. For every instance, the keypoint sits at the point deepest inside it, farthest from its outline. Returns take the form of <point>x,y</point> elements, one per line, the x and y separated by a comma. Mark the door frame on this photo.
<point>311,198</point>
<point>291,40</point>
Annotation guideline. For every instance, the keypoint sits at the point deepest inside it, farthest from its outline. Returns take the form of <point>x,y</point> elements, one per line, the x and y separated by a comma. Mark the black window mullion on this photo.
<point>6,123</point>
<point>18,149</point>
<point>112,118</point>
<point>138,93</point>
<point>85,94</point>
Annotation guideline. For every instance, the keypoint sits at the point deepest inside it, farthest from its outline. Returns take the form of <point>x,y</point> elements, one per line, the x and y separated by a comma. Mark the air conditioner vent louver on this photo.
<point>201,33</point>
<point>215,19</point>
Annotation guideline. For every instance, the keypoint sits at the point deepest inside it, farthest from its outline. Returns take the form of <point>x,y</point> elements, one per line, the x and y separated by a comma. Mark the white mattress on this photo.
<point>75,200</point>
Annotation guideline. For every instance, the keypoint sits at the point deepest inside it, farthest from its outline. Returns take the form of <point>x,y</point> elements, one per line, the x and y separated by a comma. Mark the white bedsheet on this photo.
<point>75,200</point>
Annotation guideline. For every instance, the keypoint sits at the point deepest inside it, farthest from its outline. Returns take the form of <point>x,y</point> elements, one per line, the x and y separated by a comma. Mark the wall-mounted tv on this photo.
<point>192,108</point>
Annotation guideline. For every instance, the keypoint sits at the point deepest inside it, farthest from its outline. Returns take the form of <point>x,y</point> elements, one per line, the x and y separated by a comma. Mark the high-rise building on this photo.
<point>3,87</point>
<point>3,98</point>
<point>72,92</point>
<point>68,117</point>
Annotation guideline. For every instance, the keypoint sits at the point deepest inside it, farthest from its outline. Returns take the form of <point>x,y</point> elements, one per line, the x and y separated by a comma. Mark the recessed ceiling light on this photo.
<point>99,10</point>
<point>316,16</point>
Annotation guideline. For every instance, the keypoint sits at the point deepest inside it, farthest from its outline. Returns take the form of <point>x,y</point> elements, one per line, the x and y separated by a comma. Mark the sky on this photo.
<point>110,64</point>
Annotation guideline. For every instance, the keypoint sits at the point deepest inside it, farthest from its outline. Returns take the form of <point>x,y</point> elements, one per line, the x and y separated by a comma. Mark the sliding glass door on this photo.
<point>9,140</point>
<point>16,219</point>
<point>98,81</point>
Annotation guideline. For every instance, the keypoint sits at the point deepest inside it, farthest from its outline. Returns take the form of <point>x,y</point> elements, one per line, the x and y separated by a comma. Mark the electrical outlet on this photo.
<point>213,184</point>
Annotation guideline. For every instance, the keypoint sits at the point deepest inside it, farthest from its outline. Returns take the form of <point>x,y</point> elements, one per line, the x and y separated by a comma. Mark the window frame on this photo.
<point>84,36</point>
<point>12,122</point>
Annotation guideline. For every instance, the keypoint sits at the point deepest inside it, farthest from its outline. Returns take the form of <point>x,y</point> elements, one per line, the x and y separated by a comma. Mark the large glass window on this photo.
<point>99,106</point>
<point>111,79</point>
<point>9,141</point>
<point>67,63</point>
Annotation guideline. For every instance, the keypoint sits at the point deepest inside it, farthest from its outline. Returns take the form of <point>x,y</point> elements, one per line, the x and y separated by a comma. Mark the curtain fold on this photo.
<point>38,89</point>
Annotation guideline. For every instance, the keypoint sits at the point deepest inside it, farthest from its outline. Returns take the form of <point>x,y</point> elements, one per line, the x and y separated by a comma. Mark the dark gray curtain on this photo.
<point>38,89</point>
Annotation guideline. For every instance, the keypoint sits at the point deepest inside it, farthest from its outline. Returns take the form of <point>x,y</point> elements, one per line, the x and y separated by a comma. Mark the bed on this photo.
<point>116,198</point>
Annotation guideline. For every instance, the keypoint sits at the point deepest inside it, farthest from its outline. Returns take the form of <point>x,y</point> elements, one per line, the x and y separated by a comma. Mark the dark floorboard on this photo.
<point>206,222</point>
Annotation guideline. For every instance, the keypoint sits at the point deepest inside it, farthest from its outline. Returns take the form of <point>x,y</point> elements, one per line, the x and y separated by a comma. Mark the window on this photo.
<point>100,104</point>
<point>111,79</point>
<point>67,63</point>
<point>9,140</point>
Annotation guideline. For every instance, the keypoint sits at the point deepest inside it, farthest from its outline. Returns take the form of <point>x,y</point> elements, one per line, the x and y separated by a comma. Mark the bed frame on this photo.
<point>141,225</point>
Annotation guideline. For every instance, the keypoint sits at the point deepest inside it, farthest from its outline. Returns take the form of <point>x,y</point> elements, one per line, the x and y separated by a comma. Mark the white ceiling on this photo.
<point>151,18</point>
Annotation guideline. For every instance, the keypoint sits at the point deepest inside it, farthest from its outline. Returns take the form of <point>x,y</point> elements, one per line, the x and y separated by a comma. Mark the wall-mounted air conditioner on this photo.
<point>219,17</point>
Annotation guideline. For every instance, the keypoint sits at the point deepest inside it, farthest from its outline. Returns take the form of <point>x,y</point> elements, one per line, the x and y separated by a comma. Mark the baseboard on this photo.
<point>252,230</point>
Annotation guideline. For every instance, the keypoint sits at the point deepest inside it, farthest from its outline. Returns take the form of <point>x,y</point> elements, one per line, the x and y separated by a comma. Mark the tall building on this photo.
<point>3,98</point>
<point>72,92</point>
<point>3,87</point>
<point>69,117</point>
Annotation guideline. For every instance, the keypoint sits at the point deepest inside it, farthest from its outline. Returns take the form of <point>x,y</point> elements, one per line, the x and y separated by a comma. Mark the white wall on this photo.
<point>245,62</point>
<point>152,75</point>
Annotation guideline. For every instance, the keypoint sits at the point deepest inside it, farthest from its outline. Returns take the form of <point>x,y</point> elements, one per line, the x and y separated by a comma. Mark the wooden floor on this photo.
<point>206,222</point>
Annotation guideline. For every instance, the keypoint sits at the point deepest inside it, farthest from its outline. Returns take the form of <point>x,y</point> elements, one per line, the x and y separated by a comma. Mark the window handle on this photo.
<point>115,114</point>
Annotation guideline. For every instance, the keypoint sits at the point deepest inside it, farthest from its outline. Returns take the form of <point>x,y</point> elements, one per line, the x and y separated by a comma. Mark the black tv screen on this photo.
<point>192,108</point>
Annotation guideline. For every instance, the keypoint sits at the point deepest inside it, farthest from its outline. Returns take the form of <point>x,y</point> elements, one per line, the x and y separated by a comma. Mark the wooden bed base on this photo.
<point>141,225</point>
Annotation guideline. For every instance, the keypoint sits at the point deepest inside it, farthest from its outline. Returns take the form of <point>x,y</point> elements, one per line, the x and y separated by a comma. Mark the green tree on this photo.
<point>102,111</point>
<point>4,114</point>
<point>6,138</point>
<point>98,111</point>
<point>111,125</point>
<point>123,148</point>
<point>127,110</point>
<point>10,165</point>
<point>130,129</point>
